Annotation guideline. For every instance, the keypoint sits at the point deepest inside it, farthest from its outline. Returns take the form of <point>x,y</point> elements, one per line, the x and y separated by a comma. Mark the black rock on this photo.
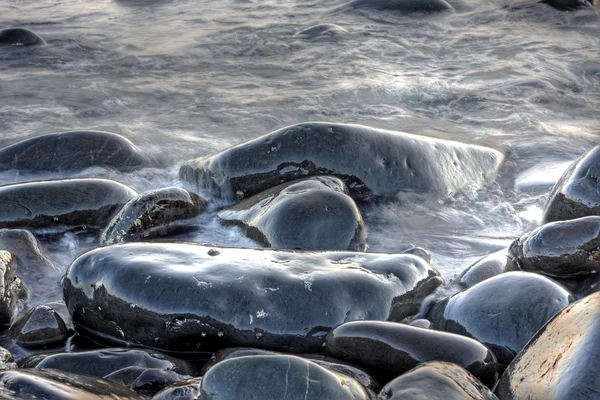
<point>13,292</point>
<point>321,31</point>
<point>184,297</point>
<point>106,361</point>
<point>313,214</point>
<point>568,5</point>
<point>503,312</point>
<point>152,211</point>
<point>188,389</point>
<point>146,381</point>
<point>57,385</point>
<point>419,252</point>
<point>40,327</point>
<point>7,361</point>
<point>562,361</point>
<point>277,377</point>
<point>436,381</point>
<point>372,162</point>
<point>74,203</point>
<point>577,193</point>
<point>390,349</point>
<point>19,37</point>
<point>487,267</point>
<point>402,5</point>
<point>74,151</point>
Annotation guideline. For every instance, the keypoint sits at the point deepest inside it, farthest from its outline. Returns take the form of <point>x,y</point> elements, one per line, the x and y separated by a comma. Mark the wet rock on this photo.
<point>421,323</point>
<point>419,252</point>
<point>561,362</point>
<point>74,151</point>
<point>436,381</point>
<point>577,193</point>
<point>301,215</point>
<point>562,249</point>
<point>185,297</point>
<point>7,361</point>
<point>487,267</point>
<point>569,5</point>
<point>372,162</point>
<point>188,389</point>
<point>13,292</point>
<point>27,248</point>
<point>19,37</point>
<point>503,312</point>
<point>321,31</point>
<point>106,361</point>
<point>152,211</point>
<point>40,327</point>
<point>278,377</point>
<point>390,349</point>
<point>57,385</point>
<point>401,5</point>
<point>146,381</point>
<point>74,203</point>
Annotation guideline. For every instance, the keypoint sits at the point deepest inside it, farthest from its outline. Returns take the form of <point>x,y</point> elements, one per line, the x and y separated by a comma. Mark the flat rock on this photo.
<point>19,37</point>
<point>74,151</point>
<point>41,326</point>
<point>487,267</point>
<point>185,297</point>
<point>150,212</point>
<point>372,162</point>
<point>389,349</point>
<point>301,214</point>
<point>402,5</point>
<point>188,389</point>
<point>503,312</point>
<point>13,292</point>
<point>436,381</point>
<point>562,361</point>
<point>74,203</point>
<point>278,377</point>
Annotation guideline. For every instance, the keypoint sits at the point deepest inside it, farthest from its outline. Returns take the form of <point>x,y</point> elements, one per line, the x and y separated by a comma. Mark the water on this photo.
<point>185,78</point>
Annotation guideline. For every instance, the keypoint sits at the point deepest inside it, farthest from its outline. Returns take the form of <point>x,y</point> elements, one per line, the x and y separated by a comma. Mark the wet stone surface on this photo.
<point>13,292</point>
<point>487,267</point>
<point>40,327</point>
<point>19,37</point>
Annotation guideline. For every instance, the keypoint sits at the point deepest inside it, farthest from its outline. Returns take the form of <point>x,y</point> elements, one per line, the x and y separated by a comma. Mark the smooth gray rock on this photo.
<point>312,214</point>
<point>487,267</point>
<point>188,389</point>
<point>185,297</point>
<point>419,252</point>
<point>503,312</point>
<point>13,292</point>
<point>19,37</point>
<point>40,327</point>
<point>402,5</point>
<point>372,162</point>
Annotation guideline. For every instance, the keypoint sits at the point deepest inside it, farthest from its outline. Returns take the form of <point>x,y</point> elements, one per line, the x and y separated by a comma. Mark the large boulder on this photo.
<point>41,326</point>
<point>13,292</point>
<point>74,151</point>
<point>152,211</point>
<point>372,162</point>
<point>503,312</point>
<point>301,214</point>
<point>390,349</point>
<point>19,37</point>
<point>563,359</point>
<point>185,297</point>
<point>71,203</point>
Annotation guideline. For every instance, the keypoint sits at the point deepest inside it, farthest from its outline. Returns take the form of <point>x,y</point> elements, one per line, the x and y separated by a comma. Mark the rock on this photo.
<point>569,5</point>
<point>487,267</point>
<point>503,312</point>
<point>436,381</point>
<point>74,151</point>
<point>89,203</point>
<point>562,249</point>
<point>421,323</point>
<point>277,377</point>
<point>188,389</point>
<point>577,193</point>
<point>372,162</point>
<point>146,381</point>
<point>390,349</point>
<point>57,385</point>
<point>7,361</point>
<point>103,362</point>
<point>19,37</point>
<point>185,297</point>
<point>301,215</point>
<point>419,252</point>
<point>401,5</point>
<point>13,292</point>
<point>151,211</point>
<point>562,360</point>
<point>40,327</point>
<point>321,31</point>
<point>27,248</point>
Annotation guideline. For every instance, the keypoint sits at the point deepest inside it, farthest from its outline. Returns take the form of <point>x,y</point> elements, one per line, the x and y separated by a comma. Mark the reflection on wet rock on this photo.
<point>13,291</point>
<point>372,162</point>
<point>19,37</point>
<point>312,214</point>
<point>487,267</point>
<point>41,326</point>
<point>185,297</point>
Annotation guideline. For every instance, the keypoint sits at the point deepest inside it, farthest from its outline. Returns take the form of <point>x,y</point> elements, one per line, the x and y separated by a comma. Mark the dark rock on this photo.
<point>372,162</point>
<point>487,267</point>
<point>74,151</point>
<point>277,377</point>
<point>321,31</point>
<point>188,389</point>
<point>7,361</point>
<point>562,361</point>
<point>419,252</point>
<point>436,381</point>
<point>13,292</point>
<point>390,349</point>
<point>563,249</point>
<point>312,214</point>
<point>185,297</point>
<point>402,5</point>
<point>106,361</point>
<point>152,211</point>
<point>146,381</point>
<point>41,326</point>
<point>577,193</point>
<point>568,5</point>
<point>89,203</point>
<point>19,37</point>
<point>503,312</point>
<point>57,385</point>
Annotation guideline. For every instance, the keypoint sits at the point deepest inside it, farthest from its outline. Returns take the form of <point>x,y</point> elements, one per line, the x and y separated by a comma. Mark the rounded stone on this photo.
<point>19,37</point>
<point>419,252</point>
<point>146,381</point>
<point>487,267</point>
<point>402,5</point>
<point>188,389</point>
<point>321,31</point>
<point>40,327</point>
